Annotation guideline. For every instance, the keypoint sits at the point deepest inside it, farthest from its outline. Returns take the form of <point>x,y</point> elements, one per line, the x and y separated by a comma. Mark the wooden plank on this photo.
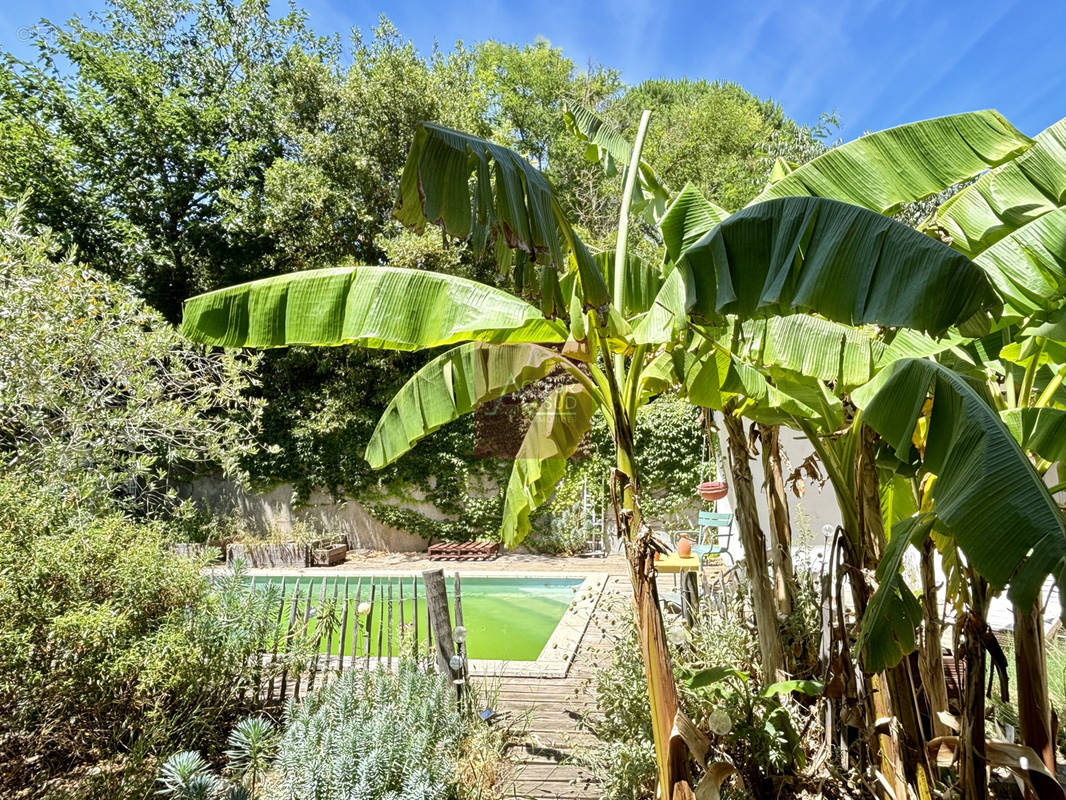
<point>440,621</point>
<point>277,639</point>
<point>381,622</point>
<point>369,618</point>
<point>457,590</point>
<point>344,627</point>
<point>414,616</point>
<point>318,637</point>
<point>389,634</point>
<point>288,637</point>
<point>303,631</point>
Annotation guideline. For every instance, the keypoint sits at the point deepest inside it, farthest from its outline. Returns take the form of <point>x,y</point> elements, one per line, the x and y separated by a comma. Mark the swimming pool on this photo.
<point>508,619</point>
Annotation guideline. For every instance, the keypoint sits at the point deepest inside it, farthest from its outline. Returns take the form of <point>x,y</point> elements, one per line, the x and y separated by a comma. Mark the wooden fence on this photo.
<point>352,622</point>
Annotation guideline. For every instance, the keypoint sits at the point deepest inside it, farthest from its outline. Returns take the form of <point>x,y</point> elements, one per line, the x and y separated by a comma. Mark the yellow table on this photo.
<point>673,563</point>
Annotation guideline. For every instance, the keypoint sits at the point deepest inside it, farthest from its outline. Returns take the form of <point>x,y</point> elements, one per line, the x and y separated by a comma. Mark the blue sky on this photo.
<point>878,63</point>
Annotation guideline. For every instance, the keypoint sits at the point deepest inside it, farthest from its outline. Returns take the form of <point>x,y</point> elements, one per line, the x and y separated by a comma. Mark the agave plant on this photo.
<point>652,330</point>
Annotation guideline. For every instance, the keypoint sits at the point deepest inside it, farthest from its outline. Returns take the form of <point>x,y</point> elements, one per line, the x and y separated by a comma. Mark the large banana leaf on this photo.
<point>987,495</point>
<point>610,148</point>
<point>452,385</point>
<point>689,217</point>
<point>385,307</point>
<point>894,613</point>
<point>844,262</point>
<point>474,188</point>
<point>712,376</point>
<point>883,170</point>
<point>1007,197</point>
<point>641,285</point>
<point>557,429</point>
<point>1038,430</point>
<point>1028,266</point>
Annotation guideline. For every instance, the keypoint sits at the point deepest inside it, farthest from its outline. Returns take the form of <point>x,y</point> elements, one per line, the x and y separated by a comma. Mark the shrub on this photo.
<point>94,382</point>
<point>376,735</point>
<point>112,650</point>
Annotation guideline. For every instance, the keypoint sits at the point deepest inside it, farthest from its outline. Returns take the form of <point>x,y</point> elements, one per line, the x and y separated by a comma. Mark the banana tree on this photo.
<point>776,258</point>
<point>880,171</point>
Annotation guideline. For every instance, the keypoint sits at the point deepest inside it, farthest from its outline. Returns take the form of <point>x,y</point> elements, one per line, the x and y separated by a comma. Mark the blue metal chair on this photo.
<point>711,540</point>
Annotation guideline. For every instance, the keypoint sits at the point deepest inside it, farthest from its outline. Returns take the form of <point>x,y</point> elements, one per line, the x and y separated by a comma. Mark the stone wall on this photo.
<point>276,510</point>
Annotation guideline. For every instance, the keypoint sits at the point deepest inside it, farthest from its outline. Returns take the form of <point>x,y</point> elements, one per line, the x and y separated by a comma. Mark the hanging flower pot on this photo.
<point>684,546</point>
<point>712,490</point>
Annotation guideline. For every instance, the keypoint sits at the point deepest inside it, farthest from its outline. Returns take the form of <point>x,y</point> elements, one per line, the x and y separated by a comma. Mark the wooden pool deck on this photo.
<point>552,708</point>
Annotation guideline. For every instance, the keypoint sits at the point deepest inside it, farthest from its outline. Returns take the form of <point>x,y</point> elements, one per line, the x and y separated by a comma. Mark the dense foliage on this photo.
<point>113,651</point>
<point>192,149</point>
<point>94,382</point>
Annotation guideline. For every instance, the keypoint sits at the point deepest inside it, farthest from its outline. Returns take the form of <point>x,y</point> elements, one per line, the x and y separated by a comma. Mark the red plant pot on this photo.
<point>712,490</point>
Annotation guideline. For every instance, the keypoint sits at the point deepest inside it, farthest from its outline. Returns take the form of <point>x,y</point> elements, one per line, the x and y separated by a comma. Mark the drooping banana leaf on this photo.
<point>844,262</point>
<point>987,495</point>
<point>610,148</point>
<point>381,307</point>
<point>1007,197</point>
<point>713,375</point>
<point>480,190</point>
<point>558,427</point>
<point>451,385</point>
<point>890,620</point>
<point>1028,266</point>
<point>1038,430</point>
<point>642,281</point>
<point>881,171</point>
<point>689,217</point>
<point>668,313</point>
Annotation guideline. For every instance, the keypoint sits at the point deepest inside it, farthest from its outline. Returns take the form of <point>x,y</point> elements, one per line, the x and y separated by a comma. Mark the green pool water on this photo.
<point>505,618</point>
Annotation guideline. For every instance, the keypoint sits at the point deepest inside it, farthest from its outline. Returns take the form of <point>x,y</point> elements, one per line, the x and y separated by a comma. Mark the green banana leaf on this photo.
<point>476,189</point>
<point>451,385</point>
<point>383,307</point>
<point>1041,431</point>
<point>642,281</point>
<point>1028,266</point>
<point>844,262</point>
<point>987,495</point>
<point>689,217</point>
<point>894,613</point>
<point>1007,197</point>
<point>881,171</point>
<point>559,425</point>
<point>609,147</point>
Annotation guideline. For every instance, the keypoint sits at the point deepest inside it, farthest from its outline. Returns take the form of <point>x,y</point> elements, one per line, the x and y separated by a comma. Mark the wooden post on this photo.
<point>344,629</point>
<point>440,621</point>
<point>389,634</point>
<point>277,638</point>
<point>288,635</point>
<point>381,622</point>
<point>369,617</point>
<point>414,616</point>
<point>318,634</point>
<point>303,631</point>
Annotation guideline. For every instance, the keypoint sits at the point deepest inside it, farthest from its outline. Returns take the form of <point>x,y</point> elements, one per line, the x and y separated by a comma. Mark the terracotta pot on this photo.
<point>684,547</point>
<point>712,490</point>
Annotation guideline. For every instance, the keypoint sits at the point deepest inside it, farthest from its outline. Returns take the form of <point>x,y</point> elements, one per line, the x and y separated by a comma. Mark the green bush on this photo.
<point>113,651</point>
<point>376,735</point>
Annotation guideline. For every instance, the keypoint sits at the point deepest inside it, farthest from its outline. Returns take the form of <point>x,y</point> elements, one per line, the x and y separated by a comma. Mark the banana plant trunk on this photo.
<point>907,736</point>
<point>771,649</point>
<point>973,761</point>
<point>931,656</point>
<point>780,524</point>
<point>1034,708</point>
<point>671,755</point>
